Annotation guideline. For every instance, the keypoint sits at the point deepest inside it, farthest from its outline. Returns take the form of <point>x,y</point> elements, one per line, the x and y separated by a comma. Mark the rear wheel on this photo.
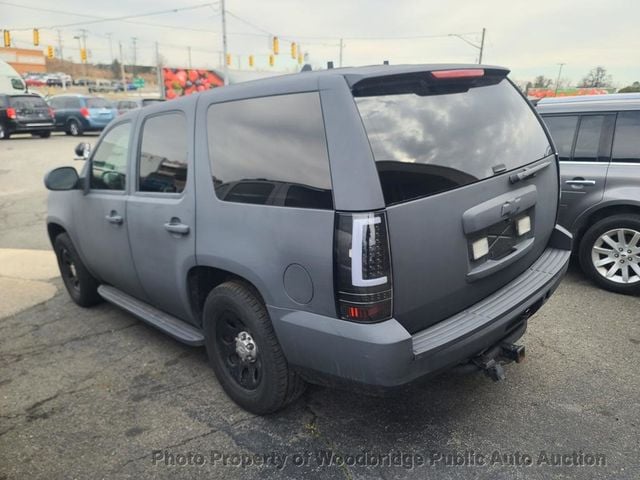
<point>4,135</point>
<point>44,134</point>
<point>610,253</point>
<point>74,128</point>
<point>81,285</point>
<point>244,351</point>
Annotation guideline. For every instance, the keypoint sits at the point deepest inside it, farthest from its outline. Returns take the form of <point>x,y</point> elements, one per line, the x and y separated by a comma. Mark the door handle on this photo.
<point>174,226</point>
<point>580,181</point>
<point>114,218</point>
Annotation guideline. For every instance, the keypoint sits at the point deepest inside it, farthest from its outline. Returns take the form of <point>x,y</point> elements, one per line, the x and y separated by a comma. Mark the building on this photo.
<point>24,59</point>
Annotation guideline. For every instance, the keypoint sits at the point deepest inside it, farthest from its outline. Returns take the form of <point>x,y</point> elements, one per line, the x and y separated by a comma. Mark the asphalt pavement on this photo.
<point>95,393</point>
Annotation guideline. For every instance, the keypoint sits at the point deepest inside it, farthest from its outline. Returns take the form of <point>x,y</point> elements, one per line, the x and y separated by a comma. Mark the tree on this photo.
<point>542,82</point>
<point>115,68</point>
<point>634,87</point>
<point>597,78</point>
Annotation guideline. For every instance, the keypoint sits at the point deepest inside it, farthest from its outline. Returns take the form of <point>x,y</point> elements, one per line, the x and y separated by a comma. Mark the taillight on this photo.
<point>363,285</point>
<point>462,73</point>
<point>84,111</point>
<point>52,113</point>
<point>11,113</point>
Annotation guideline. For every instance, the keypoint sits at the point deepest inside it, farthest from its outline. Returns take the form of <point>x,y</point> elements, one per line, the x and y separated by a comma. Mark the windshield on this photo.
<point>425,144</point>
<point>97,103</point>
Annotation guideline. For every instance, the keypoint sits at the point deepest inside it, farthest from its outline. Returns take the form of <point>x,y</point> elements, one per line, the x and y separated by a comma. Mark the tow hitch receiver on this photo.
<point>491,362</point>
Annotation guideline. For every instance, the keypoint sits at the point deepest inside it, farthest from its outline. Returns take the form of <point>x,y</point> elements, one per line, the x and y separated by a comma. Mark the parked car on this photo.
<point>76,114</point>
<point>103,86</point>
<point>363,226</point>
<point>123,106</point>
<point>24,113</point>
<point>598,142</point>
<point>53,80</point>
<point>84,82</point>
<point>121,87</point>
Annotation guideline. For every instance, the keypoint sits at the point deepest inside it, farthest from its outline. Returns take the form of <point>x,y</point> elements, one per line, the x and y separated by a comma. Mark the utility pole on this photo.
<point>159,72</point>
<point>224,43</point>
<point>109,35</point>
<point>83,35</point>
<point>341,49</point>
<point>135,55</point>
<point>124,78</point>
<point>189,52</point>
<point>482,45</point>
<point>60,52</point>
<point>558,80</point>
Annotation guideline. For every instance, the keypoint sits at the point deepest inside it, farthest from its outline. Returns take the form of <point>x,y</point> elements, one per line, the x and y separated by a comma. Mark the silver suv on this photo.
<point>598,141</point>
<point>363,226</point>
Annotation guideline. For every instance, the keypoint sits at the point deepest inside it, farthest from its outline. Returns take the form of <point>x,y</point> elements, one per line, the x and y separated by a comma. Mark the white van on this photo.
<point>10,80</point>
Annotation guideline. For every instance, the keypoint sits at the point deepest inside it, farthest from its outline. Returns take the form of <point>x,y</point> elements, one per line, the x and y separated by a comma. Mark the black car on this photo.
<point>25,113</point>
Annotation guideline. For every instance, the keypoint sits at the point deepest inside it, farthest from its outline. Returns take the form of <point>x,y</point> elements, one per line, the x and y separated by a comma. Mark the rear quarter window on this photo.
<point>261,147</point>
<point>424,144</point>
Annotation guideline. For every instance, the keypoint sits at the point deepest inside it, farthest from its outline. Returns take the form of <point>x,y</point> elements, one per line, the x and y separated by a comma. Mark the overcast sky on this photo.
<point>529,37</point>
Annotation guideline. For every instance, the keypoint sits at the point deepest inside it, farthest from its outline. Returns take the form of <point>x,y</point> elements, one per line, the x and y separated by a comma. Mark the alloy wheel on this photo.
<point>238,351</point>
<point>69,272</point>
<point>616,255</point>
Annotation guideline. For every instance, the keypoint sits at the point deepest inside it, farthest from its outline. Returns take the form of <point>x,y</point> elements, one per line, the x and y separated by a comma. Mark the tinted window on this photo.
<point>17,84</point>
<point>27,102</point>
<point>626,142</point>
<point>588,139</point>
<point>55,102</point>
<point>563,130</point>
<point>96,102</point>
<point>109,162</point>
<point>442,138</point>
<point>162,165</point>
<point>270,143</point>
<point>150,101</point>
<point>71,102</point>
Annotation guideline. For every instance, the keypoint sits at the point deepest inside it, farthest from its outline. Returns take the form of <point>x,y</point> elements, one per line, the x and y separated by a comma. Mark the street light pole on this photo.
<point>474,45</point>
<point>482,45</point>
<point>224,43</point>
<point>558,80</point>
<point>341,49</point>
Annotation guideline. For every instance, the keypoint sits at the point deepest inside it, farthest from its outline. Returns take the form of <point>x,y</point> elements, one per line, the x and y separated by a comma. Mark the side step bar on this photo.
<point>172,326</point>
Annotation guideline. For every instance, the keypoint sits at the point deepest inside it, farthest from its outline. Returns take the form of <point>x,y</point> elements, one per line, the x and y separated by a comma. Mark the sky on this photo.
<point>531,38</point>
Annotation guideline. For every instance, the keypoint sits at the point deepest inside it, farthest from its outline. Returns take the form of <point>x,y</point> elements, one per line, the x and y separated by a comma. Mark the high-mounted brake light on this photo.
<point>463,73</point>
<point>362,267</point>
<point>11,113</point>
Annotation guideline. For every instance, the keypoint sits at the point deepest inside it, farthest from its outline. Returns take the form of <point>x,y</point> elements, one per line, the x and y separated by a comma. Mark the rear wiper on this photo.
<point>528,172</point>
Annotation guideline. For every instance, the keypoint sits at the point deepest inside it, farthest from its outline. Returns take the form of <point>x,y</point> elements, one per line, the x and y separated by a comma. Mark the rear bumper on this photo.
<point>28,127</point>
<point>386,355</point>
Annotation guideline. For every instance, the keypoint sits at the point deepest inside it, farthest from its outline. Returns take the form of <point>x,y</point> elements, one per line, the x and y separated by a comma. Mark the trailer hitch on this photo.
<point>491,362</point>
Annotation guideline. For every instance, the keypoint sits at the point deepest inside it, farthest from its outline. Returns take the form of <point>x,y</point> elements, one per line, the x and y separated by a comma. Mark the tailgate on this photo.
<point>470,184</point>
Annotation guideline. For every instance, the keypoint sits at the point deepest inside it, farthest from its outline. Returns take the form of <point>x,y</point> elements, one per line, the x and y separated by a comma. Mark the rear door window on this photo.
<point>589,138</point>
<point>563,131</point>
<point>430,140</point>
<point>626,142</point>
<point>260,146</point>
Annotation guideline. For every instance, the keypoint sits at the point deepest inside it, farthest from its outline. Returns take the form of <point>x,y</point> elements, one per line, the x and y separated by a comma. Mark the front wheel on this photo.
<point>610,253</point>
<point>81,285</point>
<point>244,351</point>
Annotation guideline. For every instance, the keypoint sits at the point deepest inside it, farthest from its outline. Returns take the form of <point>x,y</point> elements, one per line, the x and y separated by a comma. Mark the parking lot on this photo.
<point>98,394</point>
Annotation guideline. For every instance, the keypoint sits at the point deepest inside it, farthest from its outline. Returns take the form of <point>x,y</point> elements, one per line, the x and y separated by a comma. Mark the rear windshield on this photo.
<point>434,142</point>
<point>27,102</point>
<point>97,103</point>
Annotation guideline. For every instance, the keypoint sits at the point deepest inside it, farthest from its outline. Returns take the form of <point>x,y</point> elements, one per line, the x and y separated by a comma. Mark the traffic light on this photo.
<point>7,38</point>
<point>36,37</point>
<point>228,59</point>
<point>276,46</point>
<point>294,50</point>
<point>50,54</point>
<point>83,55</point>
<point>272,60</point>
<point>251,60</point>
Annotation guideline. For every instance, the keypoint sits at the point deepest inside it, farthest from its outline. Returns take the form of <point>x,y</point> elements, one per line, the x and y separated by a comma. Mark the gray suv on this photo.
<point>598,141</point>
<point>362,226</point>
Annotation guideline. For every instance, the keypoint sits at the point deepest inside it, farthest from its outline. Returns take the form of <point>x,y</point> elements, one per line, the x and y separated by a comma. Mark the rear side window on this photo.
<point>162,164</point>
<point>588,141</point>
<point>71,102</point>
<point>626,142</point>
<point>563,131</point>
<point>261,147</point>
<point>97,103</point>
<point>444,137</point>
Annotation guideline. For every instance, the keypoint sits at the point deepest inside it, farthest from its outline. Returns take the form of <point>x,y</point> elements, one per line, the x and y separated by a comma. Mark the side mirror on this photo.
<point>83,150</point>
<point>61,178</point>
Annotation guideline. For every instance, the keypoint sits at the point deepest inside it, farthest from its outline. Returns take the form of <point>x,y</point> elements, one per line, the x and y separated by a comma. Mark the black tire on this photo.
<point>81,285</point>
<point>44,134</point>
<point>4,134</point>
<point>630,222</point>
<point>269,384</point>
<point>74,128</point>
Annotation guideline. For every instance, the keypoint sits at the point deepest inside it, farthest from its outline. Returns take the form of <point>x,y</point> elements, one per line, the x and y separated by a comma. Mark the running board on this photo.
<point>170,325</point>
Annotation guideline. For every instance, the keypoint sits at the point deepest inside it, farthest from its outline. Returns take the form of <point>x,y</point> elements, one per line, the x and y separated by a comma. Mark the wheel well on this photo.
<point>604,213</point>
<point>201,280</point>
<point>54,230</point>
